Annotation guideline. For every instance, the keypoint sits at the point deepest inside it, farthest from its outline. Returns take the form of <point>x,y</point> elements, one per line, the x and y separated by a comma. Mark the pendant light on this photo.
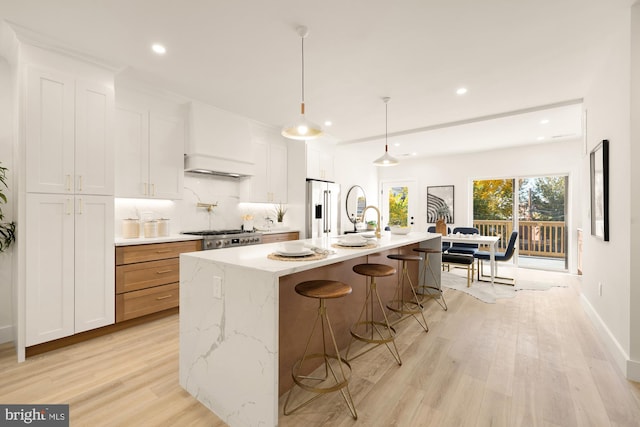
<point>386,159</point>
<point>302,129</point>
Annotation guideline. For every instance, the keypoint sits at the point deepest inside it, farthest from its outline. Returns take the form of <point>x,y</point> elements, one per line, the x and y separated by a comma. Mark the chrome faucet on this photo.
<point>378,223</point>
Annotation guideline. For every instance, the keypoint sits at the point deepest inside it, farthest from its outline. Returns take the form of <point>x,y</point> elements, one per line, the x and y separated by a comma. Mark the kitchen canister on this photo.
<point>163,227</point>
<point>130,228</point>
<point>151,228</point>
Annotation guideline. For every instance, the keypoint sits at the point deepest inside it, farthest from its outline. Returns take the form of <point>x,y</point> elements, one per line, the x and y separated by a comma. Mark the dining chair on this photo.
<point>482,256</point>
<point>464,248</point>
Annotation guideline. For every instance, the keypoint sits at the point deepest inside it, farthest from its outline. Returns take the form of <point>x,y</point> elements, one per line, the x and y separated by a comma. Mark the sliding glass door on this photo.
<point>539,204</point>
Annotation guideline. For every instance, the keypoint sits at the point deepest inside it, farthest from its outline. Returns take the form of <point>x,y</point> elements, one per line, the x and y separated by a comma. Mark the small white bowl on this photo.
<point>400,230</point>
<point>293,246</point>
<point>353,238</point>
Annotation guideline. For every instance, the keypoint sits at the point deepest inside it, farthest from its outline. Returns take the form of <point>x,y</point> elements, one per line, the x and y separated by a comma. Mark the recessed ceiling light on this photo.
<point>328,123</point>
<point>544,121</point>
<point>461,90</point>
<point>396,144</point>
<point>159,49</point>
<point>540,138</point>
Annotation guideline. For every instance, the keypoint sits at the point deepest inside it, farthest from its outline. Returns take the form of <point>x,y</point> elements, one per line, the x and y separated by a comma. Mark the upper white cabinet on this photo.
<point>68,134</point>
<point>149,152</point>
<point>268,184</point>
<point>319,162</point>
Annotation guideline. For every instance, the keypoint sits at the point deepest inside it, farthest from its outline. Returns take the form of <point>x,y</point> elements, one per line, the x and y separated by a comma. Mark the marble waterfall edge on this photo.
<point>223,342</point>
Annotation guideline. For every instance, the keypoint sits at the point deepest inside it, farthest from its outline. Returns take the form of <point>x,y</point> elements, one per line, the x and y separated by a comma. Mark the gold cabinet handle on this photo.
<point>68,182</point>
<point>145,191</point>
<point>164,271</point>
<point>153,189</point>
<point>163,251</point>
<point>164,297</point>
<point>80,207</point>
<point>68,206</point>
<point>80,183</point>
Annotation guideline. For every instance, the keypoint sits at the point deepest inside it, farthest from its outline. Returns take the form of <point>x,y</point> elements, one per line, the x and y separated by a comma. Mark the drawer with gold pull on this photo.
<point>146,301</point>
<point>154,251</point>
<point>133,277</point>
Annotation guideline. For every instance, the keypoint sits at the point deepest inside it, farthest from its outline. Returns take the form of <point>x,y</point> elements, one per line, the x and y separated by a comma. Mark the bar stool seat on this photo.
<point>335,378</point>
<point>367,329</point>
<point>400,304</point>
<point>433,292</point>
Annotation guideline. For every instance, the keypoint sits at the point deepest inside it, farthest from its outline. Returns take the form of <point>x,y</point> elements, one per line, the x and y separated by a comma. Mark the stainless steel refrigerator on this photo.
<point>323,208</point>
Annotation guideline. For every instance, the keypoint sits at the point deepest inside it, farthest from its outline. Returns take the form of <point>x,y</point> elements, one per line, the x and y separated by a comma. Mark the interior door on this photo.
<point>398,203</point>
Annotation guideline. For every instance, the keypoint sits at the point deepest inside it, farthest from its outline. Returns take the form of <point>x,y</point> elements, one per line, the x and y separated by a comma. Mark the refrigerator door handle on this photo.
<point>327,217</point>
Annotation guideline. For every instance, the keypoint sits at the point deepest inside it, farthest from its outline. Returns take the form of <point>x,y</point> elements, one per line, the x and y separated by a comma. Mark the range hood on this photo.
<point>219,143</point>
<point>210,165</point>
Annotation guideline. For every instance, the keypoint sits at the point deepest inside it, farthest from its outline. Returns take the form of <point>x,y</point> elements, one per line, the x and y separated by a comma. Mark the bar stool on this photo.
<point>400,304</point>
<point>322,290</point>
<point>369,330</point>
<point>433,292</point>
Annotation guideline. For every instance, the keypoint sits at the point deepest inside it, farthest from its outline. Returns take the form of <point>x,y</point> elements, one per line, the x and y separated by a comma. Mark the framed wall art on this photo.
<point>600,190</point>
<point>440,203</point>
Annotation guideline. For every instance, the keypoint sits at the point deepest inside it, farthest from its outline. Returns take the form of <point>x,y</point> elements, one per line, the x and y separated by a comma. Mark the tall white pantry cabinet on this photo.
<point>66,138</point>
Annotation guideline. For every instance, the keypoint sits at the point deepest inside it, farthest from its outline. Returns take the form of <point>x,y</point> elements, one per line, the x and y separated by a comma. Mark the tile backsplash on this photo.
<point>185,215</point>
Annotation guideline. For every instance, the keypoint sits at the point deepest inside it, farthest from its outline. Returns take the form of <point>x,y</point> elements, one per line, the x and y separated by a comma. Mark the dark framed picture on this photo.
<point>600,191</point>
<point>440,203</point>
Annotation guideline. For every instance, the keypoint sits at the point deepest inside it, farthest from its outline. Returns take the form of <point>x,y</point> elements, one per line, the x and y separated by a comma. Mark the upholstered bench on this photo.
<point>461,261</point>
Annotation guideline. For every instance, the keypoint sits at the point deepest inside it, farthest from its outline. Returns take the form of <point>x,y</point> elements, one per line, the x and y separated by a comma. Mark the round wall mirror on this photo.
<point>356,202</point>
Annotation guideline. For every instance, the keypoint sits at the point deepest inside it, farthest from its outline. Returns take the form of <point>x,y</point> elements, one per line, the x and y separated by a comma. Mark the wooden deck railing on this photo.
<point>535,238</point>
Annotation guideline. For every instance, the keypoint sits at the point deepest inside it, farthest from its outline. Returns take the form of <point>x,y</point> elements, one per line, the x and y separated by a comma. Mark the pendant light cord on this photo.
<point>386,125</point>
<point>303,73</point>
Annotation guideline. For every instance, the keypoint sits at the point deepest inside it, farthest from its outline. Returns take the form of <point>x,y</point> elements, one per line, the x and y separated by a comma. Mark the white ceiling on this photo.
<point>514,56</point>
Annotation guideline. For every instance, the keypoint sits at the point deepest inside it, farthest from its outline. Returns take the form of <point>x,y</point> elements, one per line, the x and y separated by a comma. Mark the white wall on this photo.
<point>561,158</point>
<point>633,367</point>
<point>608,117</point>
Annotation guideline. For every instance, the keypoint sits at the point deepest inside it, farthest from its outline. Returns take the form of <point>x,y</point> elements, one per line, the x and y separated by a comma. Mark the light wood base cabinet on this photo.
<point>280,237</point>
<point>147,277</point>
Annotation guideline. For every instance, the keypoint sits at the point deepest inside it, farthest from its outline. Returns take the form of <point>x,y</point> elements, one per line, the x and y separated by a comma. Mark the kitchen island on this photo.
<point>237,318</point>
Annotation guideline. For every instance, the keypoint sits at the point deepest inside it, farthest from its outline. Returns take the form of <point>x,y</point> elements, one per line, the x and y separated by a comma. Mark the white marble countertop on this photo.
<point>254,257</point>
<point>120,241</point>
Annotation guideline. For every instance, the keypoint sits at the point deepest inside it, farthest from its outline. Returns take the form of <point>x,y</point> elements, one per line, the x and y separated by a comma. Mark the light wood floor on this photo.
<point>534,360</point>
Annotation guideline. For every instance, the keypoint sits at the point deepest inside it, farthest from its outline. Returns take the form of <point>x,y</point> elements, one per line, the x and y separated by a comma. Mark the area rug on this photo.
<point>486,292</point>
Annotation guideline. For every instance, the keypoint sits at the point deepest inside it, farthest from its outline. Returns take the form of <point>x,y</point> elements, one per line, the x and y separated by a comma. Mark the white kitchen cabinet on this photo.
<point>149,154</point>
<point>319,163</point>
<point>268,184</point>
<point>69,265</point>
<point>68,134</point>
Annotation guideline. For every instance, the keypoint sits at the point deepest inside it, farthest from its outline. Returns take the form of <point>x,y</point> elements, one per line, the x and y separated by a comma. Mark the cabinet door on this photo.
<point>49,267</point>
<point>166,157</point>
<point>278,173</point>
<point>49,131</point>
<point>260,179</point>
<point>94,139</point>
<point>131,152</point>
<point>94,262</point>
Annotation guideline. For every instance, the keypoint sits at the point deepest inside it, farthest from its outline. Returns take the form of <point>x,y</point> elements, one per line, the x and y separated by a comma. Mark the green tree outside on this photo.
<point>493,199</point>
<point>399,206</point>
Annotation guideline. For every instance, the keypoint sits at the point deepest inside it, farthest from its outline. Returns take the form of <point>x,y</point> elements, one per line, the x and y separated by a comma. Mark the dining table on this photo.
<point>490,241</point>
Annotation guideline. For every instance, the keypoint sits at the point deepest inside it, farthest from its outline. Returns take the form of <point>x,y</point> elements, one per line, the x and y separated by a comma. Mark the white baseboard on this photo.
<point>630,368</point>
<point>6,334</point>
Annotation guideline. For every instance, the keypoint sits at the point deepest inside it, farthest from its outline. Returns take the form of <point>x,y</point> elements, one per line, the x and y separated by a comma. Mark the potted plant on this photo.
<point>371,225</point>
<point>7,229</point>
<point>280,211</point>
